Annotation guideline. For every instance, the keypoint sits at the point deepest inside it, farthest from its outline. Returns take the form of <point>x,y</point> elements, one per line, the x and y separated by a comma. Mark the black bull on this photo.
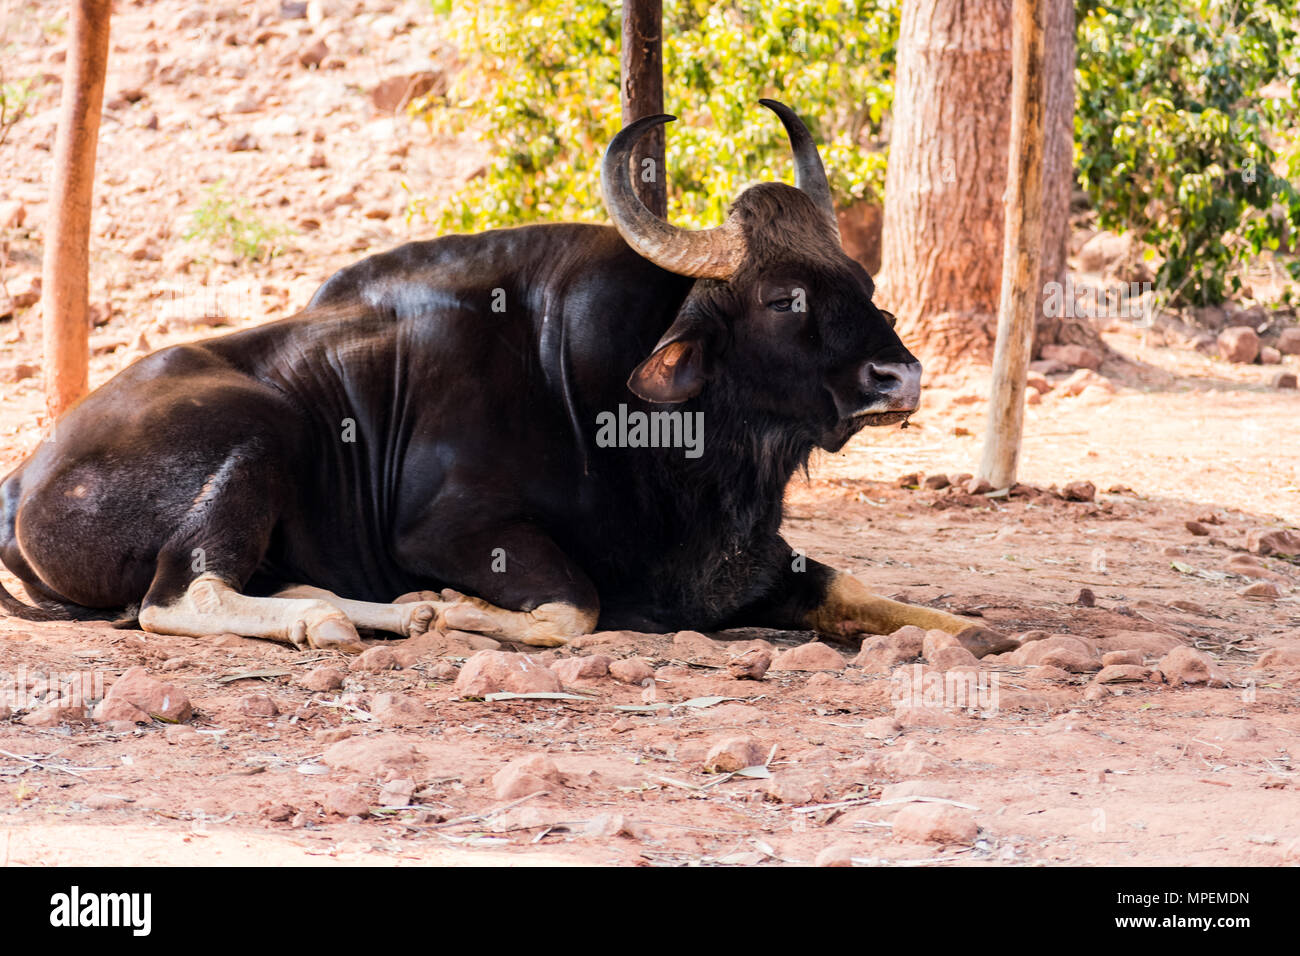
<point>458,422</point>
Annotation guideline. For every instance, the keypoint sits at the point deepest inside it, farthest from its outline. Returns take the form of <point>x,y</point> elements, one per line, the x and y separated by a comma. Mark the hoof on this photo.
<point>328,631</point>
<point>422,618</point>
<point>982,641</point>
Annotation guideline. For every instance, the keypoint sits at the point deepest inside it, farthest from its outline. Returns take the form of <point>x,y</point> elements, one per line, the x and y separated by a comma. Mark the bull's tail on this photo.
<point>65,612</point>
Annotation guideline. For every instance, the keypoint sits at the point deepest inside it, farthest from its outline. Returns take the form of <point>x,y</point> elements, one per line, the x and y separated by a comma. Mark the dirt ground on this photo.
<point>394,766</point>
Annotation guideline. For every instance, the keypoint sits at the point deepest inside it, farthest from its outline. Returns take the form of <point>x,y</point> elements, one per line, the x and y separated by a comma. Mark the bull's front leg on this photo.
<point>509,581</point>
<point>838,605</point>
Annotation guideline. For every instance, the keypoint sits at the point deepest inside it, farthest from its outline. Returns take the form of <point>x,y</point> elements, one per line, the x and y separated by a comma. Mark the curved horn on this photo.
<point>704,254</point>
<point>809,174</point>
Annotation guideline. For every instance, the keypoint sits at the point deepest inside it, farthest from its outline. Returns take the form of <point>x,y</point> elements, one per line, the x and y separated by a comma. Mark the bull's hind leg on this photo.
<point>210,605</point>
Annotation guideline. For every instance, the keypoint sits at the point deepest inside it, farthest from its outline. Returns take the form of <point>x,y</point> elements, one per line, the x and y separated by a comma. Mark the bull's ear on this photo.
<point>673,373</point>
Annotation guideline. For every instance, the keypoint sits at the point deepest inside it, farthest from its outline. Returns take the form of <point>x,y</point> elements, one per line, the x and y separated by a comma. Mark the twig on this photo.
<point>481,817</point>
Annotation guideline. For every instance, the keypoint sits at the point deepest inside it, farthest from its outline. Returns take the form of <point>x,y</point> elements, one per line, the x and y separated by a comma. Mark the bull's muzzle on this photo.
<point>891,386</point>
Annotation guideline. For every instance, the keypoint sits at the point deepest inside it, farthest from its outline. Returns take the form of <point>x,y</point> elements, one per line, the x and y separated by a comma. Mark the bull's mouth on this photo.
<point>874,419</point>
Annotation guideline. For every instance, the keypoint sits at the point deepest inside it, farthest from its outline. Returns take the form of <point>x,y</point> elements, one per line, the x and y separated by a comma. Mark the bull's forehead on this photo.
<point>782,224</point>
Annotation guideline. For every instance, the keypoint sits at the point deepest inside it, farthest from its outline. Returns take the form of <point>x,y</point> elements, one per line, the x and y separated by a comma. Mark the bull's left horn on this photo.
<point>809,174</point>
<point>704,254</point>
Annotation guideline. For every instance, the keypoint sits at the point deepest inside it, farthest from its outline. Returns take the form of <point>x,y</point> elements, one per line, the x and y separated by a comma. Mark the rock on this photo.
<point>1239,343</point>
<point>398,709</point>
<point>25,291</point>
<point>813,656</point>
<point>1288,343</point>
<point>1065,651</point>
<point>632,670</point>
<point>313,53</point>
<point>376,660</point>
<point>605,825</point>
<point>143,249</point>
<point>1147,643</point>
<point>795,789</point>
<point>1082,379</point>
<point>525,776</point>
<point>18,372</point>
<point>983,641</point>
<point>911,480</point>
<point>371,755</point>
<point>58,712</point>
<point>1269,356</point>
<point>1284,380</point>
<point>321,679</point>
<point>591,667</point>
<point>837,854</point>
<point>1105,253</point>
<point>936,482</point>
<point>978,486</point>
<point>1079,491</point>
<point>1121,657</point>
<point>1186,665</point>
<point>164,701</point>
<point>442,670</point>
<point>911,760</point>
<point>1038,382</point>
<point>1249,566</point>
<point>934,823</point>
<point>881,728</point>
<point>120,711</point>
<point>734,753</point>
<point>1196,528</point>
<point>1273,541</point>
<point>1118,673</point>
<point>935,641</point>
<point>491,672</point>
<point>347,801</point>
<point>1048,367</point>
<point>1278,658</point>
<point>1266,590</point>
<point>181,734</point>
<point>396,92</point>
<point>948,658</point>
<point>751,664</point>
<point>279,813</point>
<point>397,793</point>
<point>12,214</point>
<point>6,712</point>
<point>1085,598</point>
<point>880,655</point>
<point>258,705</point>
<point>1075,356</point>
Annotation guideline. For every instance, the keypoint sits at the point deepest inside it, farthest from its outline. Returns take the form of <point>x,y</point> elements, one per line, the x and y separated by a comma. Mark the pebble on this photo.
<point>52,715</point>
<point>631,670</point>
<point>1266,541</point>
<point>1196,528</point>
<point>181,734</point>
<point>1119,673</point>
<point>492,672</point>
<point>1261,589</point>
<point>1075,356</point>
<point>880,655</point>
<point>1239,344</point>
<point>935,641</point>
<point>258,705</point>
<point>590,667</point>
<point>934,823</point>
<point>145,695</point>
<point>1186,665</point>
<point>750,665</point>
<point>321,679</point>
<point>837,854</point>
<point>813,656</point>
<point>347,801</point>
<point>371,755</point>
<point>376,660</point>
<point>1121,657</point>
<point>1079,491</point>
<point>398,709</point>
<point>795,789</point>
<point>734,753</point>
<point>947,658</point>
<point>526,775</point>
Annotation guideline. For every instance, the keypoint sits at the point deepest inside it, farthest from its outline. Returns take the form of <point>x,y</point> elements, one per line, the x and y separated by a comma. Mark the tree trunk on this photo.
<point>941,264</point>
<point>65,270</point>
<point>1058,179</point>
<point>643,95</point>
<point>1022,247</point>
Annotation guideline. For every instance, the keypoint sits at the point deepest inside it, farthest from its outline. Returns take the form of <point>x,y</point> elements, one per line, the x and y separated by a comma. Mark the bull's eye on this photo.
<point>781,305</point>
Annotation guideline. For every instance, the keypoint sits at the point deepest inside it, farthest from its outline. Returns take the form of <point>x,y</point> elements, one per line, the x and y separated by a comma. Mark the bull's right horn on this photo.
<point>704,254</point>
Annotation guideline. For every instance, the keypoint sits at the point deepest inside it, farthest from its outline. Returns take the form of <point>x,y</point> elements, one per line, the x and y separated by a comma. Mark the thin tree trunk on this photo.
<point>1023,246</point>
<point>643,95</point>
<point>65,270</point>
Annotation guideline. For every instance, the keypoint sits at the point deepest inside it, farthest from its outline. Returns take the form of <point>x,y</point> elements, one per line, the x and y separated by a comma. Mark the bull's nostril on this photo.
<point>884,378</point>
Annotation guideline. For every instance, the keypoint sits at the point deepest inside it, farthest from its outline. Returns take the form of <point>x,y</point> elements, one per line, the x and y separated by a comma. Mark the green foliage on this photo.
<point>231,224</point>
<point>1181,105</point>
<point>16,99</point>
<point>543,75</point>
